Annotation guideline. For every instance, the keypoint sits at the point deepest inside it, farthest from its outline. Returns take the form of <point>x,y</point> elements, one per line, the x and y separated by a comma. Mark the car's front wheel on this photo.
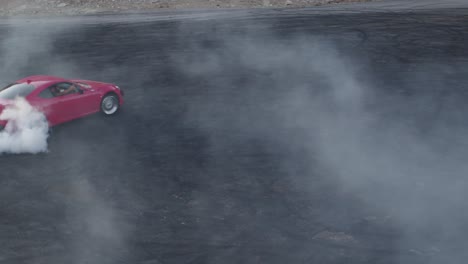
<point>110,104</point>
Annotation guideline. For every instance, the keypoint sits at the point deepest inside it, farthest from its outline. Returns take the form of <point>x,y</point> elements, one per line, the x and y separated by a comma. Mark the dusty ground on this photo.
<point>37,7</point>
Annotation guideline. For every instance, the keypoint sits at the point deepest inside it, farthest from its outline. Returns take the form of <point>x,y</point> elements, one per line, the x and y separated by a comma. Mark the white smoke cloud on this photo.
<point>26,130</point>
<point>21,47</point>
<point>94,228</point>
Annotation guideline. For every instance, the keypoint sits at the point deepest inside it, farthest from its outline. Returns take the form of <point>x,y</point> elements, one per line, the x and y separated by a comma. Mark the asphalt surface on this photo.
<point>207,163</point>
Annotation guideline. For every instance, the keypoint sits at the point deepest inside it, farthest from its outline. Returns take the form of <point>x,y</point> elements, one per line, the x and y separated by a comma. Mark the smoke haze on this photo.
<point>313,100</point>
<point>26,131</point>
<point>243,144</point>
<point>24,50</point>
<point>89,227</point>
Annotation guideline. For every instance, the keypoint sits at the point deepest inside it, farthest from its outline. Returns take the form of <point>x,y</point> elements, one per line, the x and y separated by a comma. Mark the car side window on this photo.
<point>61,89</point>
<point>46,93</point>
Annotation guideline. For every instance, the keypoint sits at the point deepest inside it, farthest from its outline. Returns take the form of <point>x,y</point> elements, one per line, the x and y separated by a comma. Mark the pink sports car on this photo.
<point>63,100</point>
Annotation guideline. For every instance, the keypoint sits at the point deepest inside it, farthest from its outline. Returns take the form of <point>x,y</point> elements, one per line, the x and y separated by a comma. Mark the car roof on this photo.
<point>39,80</point>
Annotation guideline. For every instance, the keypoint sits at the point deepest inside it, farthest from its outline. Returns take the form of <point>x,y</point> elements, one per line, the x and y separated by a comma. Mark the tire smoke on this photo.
<point>399,159</point>
<point>26,130</point>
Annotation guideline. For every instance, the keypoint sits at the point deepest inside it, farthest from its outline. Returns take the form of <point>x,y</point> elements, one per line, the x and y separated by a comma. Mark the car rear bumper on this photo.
<point>2,124</point>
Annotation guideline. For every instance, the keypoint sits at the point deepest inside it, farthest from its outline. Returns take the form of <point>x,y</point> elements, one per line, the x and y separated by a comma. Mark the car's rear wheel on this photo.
<point>110,104</point>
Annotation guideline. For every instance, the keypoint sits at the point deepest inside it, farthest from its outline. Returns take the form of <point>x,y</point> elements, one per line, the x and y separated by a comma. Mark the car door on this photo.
<point>58,108</point>
<point>69,105</point>
<point>89,100</point>
<point>47,103</point>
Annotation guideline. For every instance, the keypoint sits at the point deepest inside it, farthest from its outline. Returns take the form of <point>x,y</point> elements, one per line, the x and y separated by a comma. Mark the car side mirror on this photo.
<point>80,91</point>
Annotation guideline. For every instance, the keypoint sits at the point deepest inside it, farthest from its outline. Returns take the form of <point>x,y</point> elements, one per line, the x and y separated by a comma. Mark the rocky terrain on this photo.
<point>43,7</point>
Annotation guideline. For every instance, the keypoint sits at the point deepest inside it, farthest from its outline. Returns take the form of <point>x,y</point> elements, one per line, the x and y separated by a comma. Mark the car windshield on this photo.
<point>16,90</point>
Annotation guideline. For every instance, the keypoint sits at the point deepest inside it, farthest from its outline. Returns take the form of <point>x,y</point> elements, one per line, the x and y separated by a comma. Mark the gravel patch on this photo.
<point>77,7</point>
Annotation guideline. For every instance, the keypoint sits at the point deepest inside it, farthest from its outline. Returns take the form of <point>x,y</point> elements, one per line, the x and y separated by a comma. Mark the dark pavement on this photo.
<point>215,158</point>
